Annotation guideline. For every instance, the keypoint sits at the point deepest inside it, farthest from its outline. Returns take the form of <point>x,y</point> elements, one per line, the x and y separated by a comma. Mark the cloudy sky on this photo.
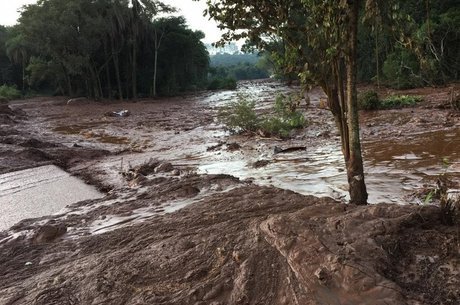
<point>193,12</point>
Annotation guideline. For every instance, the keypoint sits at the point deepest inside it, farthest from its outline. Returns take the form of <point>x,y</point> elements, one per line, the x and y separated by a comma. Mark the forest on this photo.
<point>128,49</point>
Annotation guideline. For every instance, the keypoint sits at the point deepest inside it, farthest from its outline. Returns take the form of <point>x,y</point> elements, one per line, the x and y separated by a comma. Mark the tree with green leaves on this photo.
<point>323,35</point>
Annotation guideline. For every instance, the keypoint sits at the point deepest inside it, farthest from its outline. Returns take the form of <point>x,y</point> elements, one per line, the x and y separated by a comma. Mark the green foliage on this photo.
<point>103,48</point>
<point>222,83</point>
<point>368,100</point>
<point>240,116</point>
<point>9,92</point>
<point>399,101</point>
<point>237,66</point>
<point>401,70</point>
<point>228,60</point>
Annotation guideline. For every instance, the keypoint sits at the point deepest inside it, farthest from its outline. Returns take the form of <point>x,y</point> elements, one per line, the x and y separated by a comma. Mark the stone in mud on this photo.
<point>164,168</point>
<point>49,233</point>
<point>233,146</point>
<point>260,163</point>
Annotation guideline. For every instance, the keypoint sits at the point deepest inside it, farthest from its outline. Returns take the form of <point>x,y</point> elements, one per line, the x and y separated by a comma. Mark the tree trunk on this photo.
<point>107,72</point>
<point>134,69</point>
<point>117,70</point>
<point>355,169</point>
<point>155,73</point>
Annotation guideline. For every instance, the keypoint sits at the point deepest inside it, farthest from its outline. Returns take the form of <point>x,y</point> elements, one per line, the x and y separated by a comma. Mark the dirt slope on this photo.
<point>251,245</point>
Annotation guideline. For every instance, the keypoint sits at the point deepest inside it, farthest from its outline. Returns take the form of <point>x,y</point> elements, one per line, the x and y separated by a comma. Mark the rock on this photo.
<point>164,168</point>
<point>233,146</point>
<point>48,233</point>
<point>260,163</point>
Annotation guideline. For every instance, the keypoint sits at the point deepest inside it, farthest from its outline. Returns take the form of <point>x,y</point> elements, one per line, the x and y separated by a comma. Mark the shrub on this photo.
<point>239,116</point>
<point>400,101</point>
<point>9,92</point>
<point>368,100</point>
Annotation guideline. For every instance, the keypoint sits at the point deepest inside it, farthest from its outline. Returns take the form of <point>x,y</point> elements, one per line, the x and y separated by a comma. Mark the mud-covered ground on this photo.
<point>168,234</point>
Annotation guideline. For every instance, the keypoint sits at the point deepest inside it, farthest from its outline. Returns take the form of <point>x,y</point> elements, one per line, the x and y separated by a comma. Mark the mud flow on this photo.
<point>164,206</point>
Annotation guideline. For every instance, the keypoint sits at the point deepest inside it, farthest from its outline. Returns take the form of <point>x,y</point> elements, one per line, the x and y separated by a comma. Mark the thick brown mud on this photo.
<point>194,215</point>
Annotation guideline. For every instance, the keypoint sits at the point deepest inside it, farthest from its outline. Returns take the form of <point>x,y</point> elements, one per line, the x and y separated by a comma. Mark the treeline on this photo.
<point>226,69</point>
<point>102,49</point>
<point>417,46</point>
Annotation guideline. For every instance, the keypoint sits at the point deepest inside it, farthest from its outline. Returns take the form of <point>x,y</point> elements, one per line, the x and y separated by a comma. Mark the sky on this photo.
<point>191,10</point>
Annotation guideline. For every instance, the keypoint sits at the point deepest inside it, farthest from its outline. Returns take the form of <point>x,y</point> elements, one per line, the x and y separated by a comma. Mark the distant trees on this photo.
<point>104,48</point>
<point>238,67</point>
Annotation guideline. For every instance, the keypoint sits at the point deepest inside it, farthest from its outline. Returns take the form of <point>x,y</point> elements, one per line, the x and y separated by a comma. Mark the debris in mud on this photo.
<point>260,163</point>
<point>121,113</point>
<point>233,146</point>
<point>215,147</point>
<point>279,150</point>
<point>164,168</point>
<point>78,101</point>
<point>48,233</point>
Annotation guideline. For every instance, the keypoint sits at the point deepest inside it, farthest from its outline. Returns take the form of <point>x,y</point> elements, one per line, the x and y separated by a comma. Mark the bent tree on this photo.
<point>323,35</point>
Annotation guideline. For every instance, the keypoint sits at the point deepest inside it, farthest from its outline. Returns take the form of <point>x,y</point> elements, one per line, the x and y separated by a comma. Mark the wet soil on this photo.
<point>172,230</point>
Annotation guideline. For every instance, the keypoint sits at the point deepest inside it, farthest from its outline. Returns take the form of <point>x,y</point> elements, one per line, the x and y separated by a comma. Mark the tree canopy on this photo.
<point>104,48</point>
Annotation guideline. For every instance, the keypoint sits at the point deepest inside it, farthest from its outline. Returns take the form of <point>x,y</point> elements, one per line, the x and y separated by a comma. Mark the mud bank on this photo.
<point>250,245</point>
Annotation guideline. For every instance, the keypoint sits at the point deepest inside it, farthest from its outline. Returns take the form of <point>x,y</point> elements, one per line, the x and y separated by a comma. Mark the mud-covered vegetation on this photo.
<point>241,116</point>
<point>369,100</point>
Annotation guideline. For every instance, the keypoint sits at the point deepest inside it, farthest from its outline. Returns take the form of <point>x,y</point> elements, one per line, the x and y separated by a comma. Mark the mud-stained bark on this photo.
<point>355,169</point>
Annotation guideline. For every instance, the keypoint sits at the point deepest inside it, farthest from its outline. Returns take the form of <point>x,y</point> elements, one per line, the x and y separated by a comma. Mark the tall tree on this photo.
<point>323,34</point>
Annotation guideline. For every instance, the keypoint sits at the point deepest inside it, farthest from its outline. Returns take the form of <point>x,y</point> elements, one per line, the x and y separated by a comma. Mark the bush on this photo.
<point>9,92</point>
<point>400,101</point>
<point>239,116</point>
<point>368,100</point>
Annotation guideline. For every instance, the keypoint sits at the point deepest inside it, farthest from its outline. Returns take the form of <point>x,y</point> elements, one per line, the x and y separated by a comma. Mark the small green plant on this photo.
<point>400,101</point>
<point>240,115</point>
<point>368,100</point>
<point>9,92</point>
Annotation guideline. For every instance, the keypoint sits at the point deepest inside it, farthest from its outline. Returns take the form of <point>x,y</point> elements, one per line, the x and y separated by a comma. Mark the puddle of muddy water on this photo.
<point>393,170</point>
<point>38,192</point>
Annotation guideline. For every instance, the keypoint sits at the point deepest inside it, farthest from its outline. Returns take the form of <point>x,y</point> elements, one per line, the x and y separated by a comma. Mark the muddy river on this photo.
<point>403,151</point>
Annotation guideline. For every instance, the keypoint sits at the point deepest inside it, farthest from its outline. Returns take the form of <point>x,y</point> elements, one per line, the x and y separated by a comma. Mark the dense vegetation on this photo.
<point>102,48</point>
<point>227,68</point>
<point>415,45</point>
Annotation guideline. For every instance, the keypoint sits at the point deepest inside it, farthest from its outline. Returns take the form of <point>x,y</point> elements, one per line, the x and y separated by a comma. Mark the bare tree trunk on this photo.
<point>107,72</point>
<point>117,70</point>
<point>155,74</point>
<point>355,169</point>
<point>134,69</point>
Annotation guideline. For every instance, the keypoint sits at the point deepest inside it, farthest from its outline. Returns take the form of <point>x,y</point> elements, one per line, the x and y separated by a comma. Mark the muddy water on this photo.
<point>38,192</point>
<point>394,170</point>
